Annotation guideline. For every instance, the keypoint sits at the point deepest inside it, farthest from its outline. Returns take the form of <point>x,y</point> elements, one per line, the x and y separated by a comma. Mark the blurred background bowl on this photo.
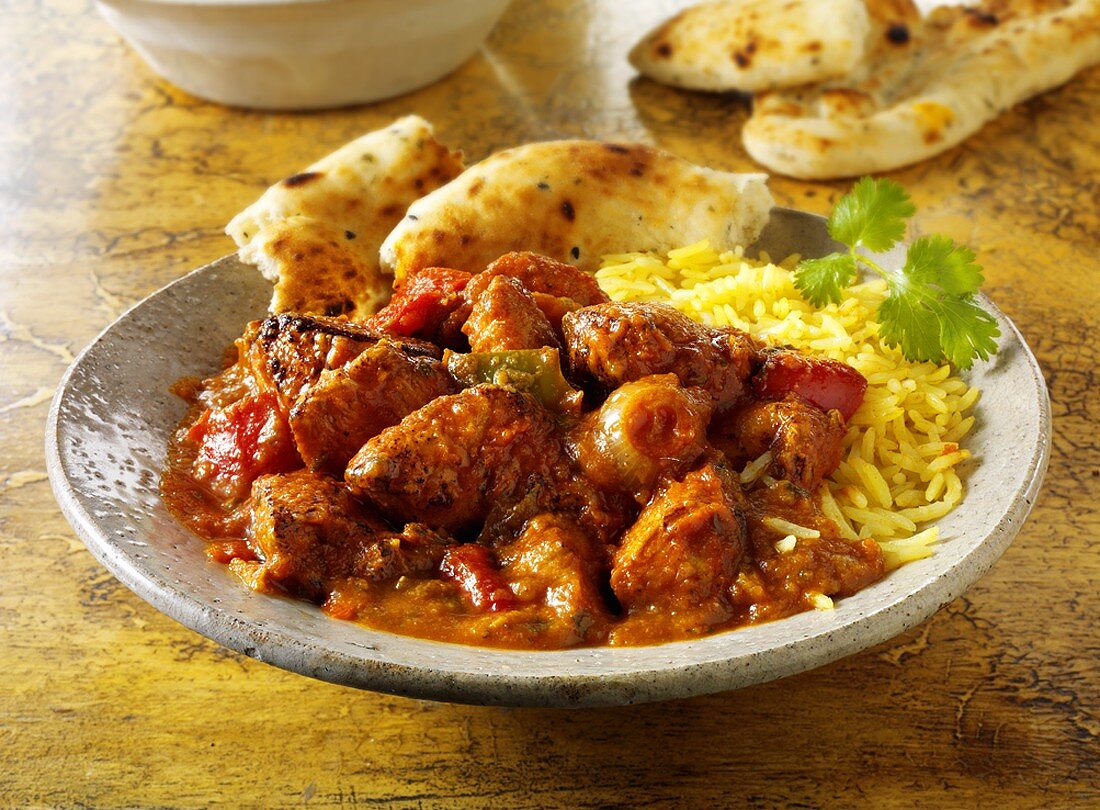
<point>302,54</point>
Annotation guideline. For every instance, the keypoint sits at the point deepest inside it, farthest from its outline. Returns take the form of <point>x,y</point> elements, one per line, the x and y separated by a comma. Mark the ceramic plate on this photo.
<point>106,442</point>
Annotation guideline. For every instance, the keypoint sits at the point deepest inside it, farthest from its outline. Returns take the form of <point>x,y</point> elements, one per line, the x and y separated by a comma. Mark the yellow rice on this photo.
<point>903,448</point>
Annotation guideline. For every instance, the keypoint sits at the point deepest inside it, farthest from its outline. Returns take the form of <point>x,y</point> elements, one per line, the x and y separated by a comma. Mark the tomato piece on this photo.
<point>471,567</point>
<point>240,443</point>
<point>826,384</point>
<point>420,304</point>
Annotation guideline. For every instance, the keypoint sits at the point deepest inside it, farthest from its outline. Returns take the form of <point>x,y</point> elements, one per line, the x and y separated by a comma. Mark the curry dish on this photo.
<point>511,459</point>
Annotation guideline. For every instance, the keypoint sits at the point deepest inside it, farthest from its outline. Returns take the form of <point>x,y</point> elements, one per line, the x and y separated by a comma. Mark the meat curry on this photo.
<point>511,459</point>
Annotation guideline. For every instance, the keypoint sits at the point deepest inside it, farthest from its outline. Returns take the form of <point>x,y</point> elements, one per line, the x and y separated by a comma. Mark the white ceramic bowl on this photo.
<point>106,444</point>
<point>302,54</point>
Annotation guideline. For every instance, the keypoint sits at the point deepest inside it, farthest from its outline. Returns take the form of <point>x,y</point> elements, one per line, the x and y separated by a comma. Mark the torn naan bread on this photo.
<point>316,234</point>
<point>754,45</point>
<point>575,201</point>
<point>924,87</point>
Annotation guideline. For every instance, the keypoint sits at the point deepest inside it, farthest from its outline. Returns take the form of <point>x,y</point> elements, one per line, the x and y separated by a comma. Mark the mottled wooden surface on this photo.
<point>113,183</point>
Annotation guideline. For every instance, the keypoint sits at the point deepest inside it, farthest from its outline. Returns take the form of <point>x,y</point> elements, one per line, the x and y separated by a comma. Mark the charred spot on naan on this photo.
<point>933,120</point>
<point>898,34</point>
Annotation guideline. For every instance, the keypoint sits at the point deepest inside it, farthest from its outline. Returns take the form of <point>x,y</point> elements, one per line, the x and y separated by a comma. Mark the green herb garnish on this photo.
<point>930,311</point>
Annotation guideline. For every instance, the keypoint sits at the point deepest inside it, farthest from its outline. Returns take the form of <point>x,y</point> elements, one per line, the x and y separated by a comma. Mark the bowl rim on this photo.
<point>234,4</point>
<point>522,682</point>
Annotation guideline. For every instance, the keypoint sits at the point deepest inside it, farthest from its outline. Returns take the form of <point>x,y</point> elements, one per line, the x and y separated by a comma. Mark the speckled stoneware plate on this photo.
<point>106,441</point>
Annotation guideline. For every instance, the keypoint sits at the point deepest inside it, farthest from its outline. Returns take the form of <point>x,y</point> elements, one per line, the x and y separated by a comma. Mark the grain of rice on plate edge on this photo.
<point>902,447</point>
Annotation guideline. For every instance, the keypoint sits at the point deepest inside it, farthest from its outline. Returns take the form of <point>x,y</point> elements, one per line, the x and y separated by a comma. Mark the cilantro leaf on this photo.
<point>871,215</point>
<point>929,324</point>
<point>823,280</point>
<point>930,310</point>
<point>939,261</point>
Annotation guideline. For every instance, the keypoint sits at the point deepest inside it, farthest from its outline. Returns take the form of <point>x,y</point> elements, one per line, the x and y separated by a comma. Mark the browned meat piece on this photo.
<point>415,550</point>
<point>556,565</point>
<point>603,513</point>
<point>289,352</point>
<point>619,343</point>
<point>451,461</point>
<point>644,430</point>
<point>505,316</point>
<point>541,274</point>
<point>557,288</point>
<point>555,309</point>
<point>682,554</point>
<point>335,416</point>
<point>805,442</point>
<point>309,533</point>
<point>778,583</point>
<point>306,530</point>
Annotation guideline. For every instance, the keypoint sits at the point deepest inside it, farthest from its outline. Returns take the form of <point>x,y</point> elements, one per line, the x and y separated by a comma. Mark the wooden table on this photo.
<point>113,183</point>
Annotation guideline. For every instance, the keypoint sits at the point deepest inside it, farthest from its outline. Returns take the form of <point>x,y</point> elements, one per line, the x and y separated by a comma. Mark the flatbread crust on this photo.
<point>755,45</point>
<point>924,89</point>
<point>575,201</point>
<point>316,234</point>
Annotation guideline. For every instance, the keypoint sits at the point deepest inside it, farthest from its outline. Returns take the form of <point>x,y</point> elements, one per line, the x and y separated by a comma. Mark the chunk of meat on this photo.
<point>309,532</point>
<point>504,316</point>
<point>642,431</point>
<point>620,343</point>
<point>805,442</point>
<point>450,462</point>
<point>778,583</point>
<point>827,384</point>
<point>570,495</point>
<point>556,565</point>
<point>335,416</point>
<point>681,555</point>
<point>556,288</point>
<point>555,309</point>
<point>422,302</point>
<point>472,568</point>
<point>416,549</point>
<point>541,274</point>
<point>287,353</point>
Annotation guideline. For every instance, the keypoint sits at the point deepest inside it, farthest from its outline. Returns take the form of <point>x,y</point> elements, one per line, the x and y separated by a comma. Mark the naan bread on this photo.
<point>924,88</point>
<point>575,201</point>
<point>754,45</point>
<point>316,234</point>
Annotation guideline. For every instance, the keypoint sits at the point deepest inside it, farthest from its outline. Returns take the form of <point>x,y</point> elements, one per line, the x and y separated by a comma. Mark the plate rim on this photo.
<point>671,681</point>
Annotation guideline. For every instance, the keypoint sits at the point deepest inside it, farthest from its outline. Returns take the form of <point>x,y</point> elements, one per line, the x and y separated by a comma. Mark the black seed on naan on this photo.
<point>302,179</point>
<point>898,34</point>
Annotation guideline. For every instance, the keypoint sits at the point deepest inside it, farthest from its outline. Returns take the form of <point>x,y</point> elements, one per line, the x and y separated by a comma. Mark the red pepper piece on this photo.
<point>471,567</point>
<point>419,305</point>
<point>248,439</point>
<point>826,384</point>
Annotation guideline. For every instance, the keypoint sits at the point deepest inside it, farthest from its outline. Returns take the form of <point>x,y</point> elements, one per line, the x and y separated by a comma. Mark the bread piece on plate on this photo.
<point>924,87</point>
<point>316,234</point>
<point>575,201</point>
<point>754,45</point>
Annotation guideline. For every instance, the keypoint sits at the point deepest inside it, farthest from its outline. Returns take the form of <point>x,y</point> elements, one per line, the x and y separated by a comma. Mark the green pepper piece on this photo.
<point>534,371</point>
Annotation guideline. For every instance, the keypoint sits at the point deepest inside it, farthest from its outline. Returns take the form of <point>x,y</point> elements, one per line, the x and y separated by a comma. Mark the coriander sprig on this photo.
<point>930,310</point>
